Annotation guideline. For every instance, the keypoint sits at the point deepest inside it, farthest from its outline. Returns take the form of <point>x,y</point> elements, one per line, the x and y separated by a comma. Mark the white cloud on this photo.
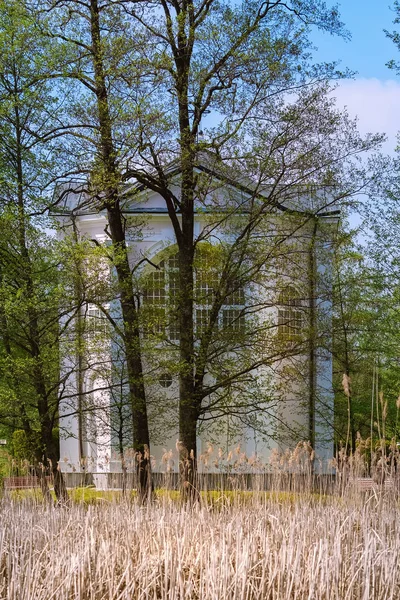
<point>376,103</point>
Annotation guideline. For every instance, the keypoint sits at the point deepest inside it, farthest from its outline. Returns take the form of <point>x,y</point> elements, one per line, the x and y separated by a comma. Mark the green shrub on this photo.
<point>24,447</point>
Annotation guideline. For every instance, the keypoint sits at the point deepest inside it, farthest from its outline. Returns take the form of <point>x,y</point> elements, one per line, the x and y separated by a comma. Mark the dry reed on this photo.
<point>273,546</point>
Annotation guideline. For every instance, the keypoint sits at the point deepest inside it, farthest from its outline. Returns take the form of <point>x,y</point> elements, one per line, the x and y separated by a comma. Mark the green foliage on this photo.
<point>242,62</point>
<point>26,447</point>
<point>365,337</point>
<point>5,464</point>
<point>34,296</point>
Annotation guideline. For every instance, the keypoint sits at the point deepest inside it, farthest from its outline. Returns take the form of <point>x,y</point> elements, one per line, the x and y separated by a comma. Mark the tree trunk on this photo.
<point>60,488</point>
<point>129,309</point>
<point>187,452</point>
<point>78,270</point>
<point>45,413</point>
<point>188,409</point>
<point>188,403</point>
<point>312,360</point>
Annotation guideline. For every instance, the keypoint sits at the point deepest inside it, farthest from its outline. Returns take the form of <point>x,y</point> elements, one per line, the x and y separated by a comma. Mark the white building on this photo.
<point>292,294</point>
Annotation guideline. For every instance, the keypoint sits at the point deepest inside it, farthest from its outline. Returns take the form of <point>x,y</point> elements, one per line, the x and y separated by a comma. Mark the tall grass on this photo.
<point>271,532</point>
<point>244,545</point>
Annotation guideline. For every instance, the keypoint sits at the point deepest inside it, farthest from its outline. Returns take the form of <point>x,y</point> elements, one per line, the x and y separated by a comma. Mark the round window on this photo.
<point>165,380</point>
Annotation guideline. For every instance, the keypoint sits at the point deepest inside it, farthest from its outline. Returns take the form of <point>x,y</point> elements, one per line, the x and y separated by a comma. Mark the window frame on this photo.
<point>291,318</point>
<point>231,315</point>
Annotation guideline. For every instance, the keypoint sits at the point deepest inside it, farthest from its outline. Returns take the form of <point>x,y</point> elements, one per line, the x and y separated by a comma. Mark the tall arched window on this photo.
<point>290,314</point>
<point>160,297</point>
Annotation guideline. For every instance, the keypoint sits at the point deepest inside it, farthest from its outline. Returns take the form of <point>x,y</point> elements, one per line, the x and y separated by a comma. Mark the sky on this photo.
<point>374,93</point>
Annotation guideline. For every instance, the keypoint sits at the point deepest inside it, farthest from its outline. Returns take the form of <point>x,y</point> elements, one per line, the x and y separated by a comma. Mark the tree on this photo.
<point>365,340</point>
<point>24,345</point>
<point>92,59</point>
<point>153,78</point>
<point>35,304</point>
<point>253,61</point>
<point>357,314</point>
<point>241,63</point>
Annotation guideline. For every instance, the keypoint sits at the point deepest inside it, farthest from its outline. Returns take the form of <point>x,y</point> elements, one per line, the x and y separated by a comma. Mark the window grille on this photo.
<point>96,321</point>
<point>236,297</point>
<point>233,319</point>
<point>154,298</point>
<point>207,280</point>
<point>154,292</point>
<point>165,380</point>
<point>290,314</point>
<point>162,291</point>
<point>202,320</point>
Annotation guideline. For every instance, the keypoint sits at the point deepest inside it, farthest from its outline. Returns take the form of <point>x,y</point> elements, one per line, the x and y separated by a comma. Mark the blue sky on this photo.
<point>374,95</point>
<point>369,49</point>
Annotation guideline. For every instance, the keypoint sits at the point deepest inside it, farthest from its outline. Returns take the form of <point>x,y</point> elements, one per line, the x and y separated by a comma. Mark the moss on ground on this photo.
<point>213,498</point>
